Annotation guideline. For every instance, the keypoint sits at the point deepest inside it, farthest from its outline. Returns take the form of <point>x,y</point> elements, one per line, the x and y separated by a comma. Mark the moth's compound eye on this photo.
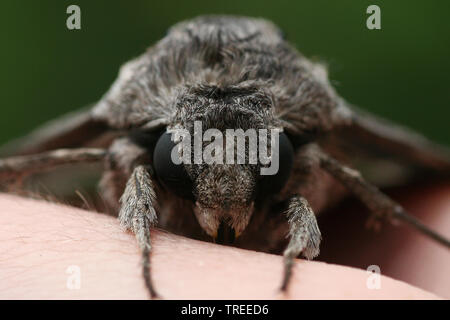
<point>271,184</point>
<point>172,176</point>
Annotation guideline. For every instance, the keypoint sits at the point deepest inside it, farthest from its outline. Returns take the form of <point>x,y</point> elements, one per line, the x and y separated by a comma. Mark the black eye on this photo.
<point>271,184</point>
<point>172,176</point>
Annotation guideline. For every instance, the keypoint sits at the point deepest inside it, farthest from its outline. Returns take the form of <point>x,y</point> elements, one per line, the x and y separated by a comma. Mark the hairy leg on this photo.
<point>129,162</point>
<point>304,235</point>
<point>305,181</point>
<point>137,214</point>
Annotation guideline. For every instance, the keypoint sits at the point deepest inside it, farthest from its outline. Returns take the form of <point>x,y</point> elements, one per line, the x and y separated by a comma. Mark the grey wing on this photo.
<point>386,153</point>
<point>143,95</point>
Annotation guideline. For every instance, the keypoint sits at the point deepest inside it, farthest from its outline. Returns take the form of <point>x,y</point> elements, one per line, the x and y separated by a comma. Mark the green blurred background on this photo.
<point>401,72</point>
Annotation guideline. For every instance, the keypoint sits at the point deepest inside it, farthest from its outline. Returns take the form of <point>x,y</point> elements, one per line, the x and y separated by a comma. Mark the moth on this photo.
<point>231,73</point>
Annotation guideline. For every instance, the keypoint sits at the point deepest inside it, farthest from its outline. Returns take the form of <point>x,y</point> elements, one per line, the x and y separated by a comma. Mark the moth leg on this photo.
<point>128,174</point>
<point>15,169</point>
<point>380,204</point>
<point>137,214</point>
<point>304,235</point>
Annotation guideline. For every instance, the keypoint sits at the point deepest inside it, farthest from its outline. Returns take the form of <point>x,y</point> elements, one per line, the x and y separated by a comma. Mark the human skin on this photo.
<point>40,241</point>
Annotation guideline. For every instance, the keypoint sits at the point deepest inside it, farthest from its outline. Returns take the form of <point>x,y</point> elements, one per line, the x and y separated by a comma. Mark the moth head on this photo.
<point>224,192</point>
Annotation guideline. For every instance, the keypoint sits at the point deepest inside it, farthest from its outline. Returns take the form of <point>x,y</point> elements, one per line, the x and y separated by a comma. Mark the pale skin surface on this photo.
<point>39,241</point>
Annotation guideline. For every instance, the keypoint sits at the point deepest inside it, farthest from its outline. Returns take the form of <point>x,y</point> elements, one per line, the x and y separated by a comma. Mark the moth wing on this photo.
<point>386,153</point>
<point>142,96</point>
<point>75,129</point>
